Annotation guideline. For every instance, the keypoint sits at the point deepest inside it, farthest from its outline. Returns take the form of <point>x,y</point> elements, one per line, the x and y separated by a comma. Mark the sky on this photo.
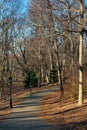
<point>25,3</point>
<point>86,2</point>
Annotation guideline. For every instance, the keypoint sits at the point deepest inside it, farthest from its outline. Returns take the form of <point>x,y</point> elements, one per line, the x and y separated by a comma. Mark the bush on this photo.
<point>31,80</point>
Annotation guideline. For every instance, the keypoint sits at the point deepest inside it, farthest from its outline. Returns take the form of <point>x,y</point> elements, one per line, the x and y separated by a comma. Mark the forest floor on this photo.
<point>65,113</point>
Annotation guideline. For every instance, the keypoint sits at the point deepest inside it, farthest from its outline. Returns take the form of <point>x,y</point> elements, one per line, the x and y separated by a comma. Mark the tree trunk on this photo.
<point>50,55</point>
<point>0,92</point>
<point>42,75</point>
<point>47,79</point>
<point>58,72</point>
<point>61,83</point>
<point>60,75</point>
<point>80,96</point>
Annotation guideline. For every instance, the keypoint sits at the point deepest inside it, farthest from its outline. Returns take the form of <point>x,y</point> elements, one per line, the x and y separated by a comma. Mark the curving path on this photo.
<point>25,115</point>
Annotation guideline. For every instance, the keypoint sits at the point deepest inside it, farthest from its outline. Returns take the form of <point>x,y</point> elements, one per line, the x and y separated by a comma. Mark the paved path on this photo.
<point>25,115</point>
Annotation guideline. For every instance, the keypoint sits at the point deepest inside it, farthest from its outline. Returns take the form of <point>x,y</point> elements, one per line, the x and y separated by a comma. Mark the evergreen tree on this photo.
<point>30,80</point>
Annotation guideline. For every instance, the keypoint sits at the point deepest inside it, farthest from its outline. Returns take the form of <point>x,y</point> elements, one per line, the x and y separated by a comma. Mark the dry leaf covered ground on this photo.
<point>65,113</point>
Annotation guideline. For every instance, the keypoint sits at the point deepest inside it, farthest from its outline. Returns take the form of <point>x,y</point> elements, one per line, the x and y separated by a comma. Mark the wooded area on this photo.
<point>44,42</point>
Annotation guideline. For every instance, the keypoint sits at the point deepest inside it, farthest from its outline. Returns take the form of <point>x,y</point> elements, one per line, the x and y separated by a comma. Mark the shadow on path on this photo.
<point>25,115</point>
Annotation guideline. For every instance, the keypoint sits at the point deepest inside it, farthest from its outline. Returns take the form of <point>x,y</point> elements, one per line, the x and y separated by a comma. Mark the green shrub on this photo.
<point>30,80</point>
<point>85,64</point>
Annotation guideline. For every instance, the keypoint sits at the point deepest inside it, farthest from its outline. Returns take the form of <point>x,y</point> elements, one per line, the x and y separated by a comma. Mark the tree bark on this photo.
<point>80,96</point>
